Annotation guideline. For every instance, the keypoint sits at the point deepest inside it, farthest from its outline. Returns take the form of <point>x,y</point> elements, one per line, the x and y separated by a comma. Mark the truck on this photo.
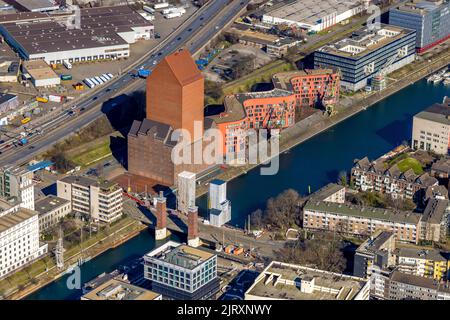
<point>89,83</point>
<point>55,98</point>
<point>148,9</point>
<point>172,15</point>
<point>67,64</point>
<point>160,5</point>
<point>144,73</point>
<point>66,77</point>
<point>42,99</point>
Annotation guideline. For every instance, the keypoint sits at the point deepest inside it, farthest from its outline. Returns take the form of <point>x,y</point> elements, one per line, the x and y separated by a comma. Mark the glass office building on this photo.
<point>366,52</point>
<point>181,272</point>
<point>430,19</point>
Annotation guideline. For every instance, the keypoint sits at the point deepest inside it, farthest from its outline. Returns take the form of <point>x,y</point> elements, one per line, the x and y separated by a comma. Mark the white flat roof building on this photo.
<point>19,240</point>
<point>313,15</point>
<point>51,210</point>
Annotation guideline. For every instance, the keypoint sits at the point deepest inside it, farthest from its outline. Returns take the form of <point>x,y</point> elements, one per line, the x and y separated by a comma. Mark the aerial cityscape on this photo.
<point>224,150</point>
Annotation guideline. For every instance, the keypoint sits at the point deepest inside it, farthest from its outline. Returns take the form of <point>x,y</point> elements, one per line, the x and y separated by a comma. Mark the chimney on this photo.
<point>193,239</point>
<point>161,217</point>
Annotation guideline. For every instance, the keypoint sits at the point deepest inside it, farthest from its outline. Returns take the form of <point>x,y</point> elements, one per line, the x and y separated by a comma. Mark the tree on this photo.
<point>284,211</point>
<point>343,178</point>
<point>213,90</point>
<point>244,66</point>
<point>256,219</point>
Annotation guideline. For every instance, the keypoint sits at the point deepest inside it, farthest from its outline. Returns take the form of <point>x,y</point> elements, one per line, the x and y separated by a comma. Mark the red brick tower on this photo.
<point>193,239</point>
<point>161,217</point>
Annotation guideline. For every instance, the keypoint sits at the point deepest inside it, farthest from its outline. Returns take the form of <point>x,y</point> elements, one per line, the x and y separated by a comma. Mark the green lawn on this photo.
<point>91,156</point>
<point>410,163</point>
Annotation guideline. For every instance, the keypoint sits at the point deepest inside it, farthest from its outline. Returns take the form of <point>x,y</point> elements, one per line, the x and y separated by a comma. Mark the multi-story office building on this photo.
<point>360,57</point>
<point>430,19</point>
<point>181,272</point>
<point>17,183</point>
<point>51,210</point>
<point>429,263</point>
<point>361,221</point>
<point>19,238</point>
<point>312,88</point>
<point>114,289</point>
<point>378,250</point>
<point>100,200</point>
<point>431,128</point>
<point>186,191</point>
<point>218,204</point>
<point>283,281</point>
<point>378,176</point>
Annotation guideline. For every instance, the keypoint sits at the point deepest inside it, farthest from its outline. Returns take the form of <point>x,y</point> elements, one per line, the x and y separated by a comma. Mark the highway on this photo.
<point>68,121</point>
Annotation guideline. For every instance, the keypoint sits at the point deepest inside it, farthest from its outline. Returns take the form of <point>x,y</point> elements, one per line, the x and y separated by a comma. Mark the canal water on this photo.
<point>315,162</point>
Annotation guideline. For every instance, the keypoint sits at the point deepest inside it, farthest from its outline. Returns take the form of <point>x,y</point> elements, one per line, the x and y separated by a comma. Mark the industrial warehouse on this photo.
<point>313,15</point>
<point>104,33</point>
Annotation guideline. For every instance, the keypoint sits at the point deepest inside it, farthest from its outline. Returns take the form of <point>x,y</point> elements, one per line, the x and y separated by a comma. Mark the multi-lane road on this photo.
<point>193,35</point>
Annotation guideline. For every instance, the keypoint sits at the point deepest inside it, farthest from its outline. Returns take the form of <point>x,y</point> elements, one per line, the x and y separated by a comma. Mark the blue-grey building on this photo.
<point>182,272</point>
<point>365,53</point>
<point>430,19</point>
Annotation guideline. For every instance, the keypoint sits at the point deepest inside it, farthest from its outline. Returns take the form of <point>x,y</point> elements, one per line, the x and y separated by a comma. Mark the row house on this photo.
<point>376,176</point>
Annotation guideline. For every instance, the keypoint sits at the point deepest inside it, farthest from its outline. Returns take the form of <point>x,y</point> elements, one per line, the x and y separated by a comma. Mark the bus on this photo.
<point>89,83</point>
<point>25,120</point>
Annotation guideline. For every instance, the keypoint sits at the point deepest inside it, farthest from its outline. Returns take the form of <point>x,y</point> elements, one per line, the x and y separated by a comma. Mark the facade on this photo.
<point>104,33</point>
<point>51,210</point>
<point>114,289</point>
<point>102,201</point>
<point>361,221</point>
<point>283,281</point>
<point>431,128</point>
<point>402,286</point>
<point>182,272</point>
<point>364,54</point>
<point>41,74</point>
<point>186,191</point>
<point>17,183</point>
<point>430,19</point>
<point>218,204</point>
<point>435,220</point>
<point>312,15</point>
<point>19,239</point>
<point>312,88</point>
<point>429,263</point>
<point>378,250</point>
<point>377,176</point>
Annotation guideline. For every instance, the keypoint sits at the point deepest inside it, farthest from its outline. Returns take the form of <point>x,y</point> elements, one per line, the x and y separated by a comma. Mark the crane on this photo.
<point>378,81</point>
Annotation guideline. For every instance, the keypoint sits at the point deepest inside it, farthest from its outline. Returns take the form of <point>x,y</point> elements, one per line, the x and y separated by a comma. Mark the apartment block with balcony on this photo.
<point>429,263</point>
<point>16,182</point>
<point>378,176</point>
<point>100,200</point>
<point>435,220</point>
<point>361,221</point>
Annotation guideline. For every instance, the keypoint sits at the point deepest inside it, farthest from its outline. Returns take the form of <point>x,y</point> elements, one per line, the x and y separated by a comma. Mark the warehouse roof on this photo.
<point>39,70</point>
<point>99,28</point>
<point>364,212</point>
<point>11,219</point>
<point>38,5</point>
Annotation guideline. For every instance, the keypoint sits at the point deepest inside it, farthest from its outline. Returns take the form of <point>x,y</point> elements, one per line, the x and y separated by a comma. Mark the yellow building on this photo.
<point>428,263</point>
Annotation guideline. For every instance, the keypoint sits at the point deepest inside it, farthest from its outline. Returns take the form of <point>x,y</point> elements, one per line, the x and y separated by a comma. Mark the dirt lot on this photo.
<point>231,56</point>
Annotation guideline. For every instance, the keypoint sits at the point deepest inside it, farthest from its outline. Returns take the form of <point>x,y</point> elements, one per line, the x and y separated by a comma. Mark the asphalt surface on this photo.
<point>69,121</point>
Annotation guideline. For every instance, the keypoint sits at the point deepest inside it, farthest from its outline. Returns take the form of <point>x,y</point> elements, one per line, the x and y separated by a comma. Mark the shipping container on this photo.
<point>25,120</point>
<point>173,15</point>
<point>89,83</point>
<point>229,249</point>
<point>66,77</point>
<point>55,98</point>
<point>42,99</point>
<point>238,251</point>
<point>78,86</point>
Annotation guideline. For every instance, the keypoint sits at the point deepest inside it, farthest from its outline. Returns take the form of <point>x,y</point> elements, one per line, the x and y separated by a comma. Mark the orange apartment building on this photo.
<point>312,87</point>
<point>253,110</point>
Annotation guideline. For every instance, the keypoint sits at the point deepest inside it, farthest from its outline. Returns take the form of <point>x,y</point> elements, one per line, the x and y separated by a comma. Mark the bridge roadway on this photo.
<point>194,34</point>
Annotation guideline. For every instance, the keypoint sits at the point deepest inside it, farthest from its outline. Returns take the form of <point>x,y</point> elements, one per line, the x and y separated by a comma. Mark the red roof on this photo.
<point>183,66</point>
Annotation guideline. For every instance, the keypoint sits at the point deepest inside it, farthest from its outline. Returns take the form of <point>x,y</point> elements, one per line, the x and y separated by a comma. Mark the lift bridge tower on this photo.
<point>59,251</point>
